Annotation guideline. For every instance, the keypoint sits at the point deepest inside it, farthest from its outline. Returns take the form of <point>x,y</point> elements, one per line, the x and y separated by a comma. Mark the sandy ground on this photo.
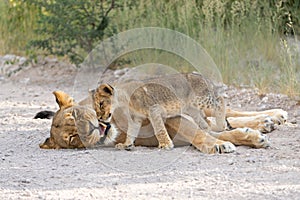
<point>27,172</point>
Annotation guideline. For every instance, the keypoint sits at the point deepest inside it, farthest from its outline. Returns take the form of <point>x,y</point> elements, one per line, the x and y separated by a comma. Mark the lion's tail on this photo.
<point>45,114</point>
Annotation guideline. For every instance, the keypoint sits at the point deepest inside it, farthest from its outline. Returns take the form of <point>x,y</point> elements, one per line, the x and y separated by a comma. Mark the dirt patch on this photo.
<point>28,172</point>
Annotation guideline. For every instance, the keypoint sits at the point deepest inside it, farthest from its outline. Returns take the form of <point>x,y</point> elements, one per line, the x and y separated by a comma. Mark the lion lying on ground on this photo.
<point>74,126</point>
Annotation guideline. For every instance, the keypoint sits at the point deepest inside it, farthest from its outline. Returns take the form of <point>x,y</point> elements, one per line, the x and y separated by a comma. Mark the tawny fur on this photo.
<point>73,126</point>
<point>65,129</point>
<point>157,99</point>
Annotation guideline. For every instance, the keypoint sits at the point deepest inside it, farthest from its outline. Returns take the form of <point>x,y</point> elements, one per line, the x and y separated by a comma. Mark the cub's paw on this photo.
<point>166,146</point>
<point>224,147</point>
<point>122,146</point>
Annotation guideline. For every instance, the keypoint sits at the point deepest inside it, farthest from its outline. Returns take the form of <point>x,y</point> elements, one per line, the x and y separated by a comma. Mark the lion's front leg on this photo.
<point>278,116</point>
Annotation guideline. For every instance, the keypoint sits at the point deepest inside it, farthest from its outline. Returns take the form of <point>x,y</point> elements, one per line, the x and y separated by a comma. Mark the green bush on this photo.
<point>71,27</point>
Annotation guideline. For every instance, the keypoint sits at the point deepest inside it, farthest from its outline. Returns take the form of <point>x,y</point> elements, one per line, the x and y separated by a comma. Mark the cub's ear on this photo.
<point>91,92</point>
<point>105,90</point>
<point>49,144</point>
<point>63,100</point>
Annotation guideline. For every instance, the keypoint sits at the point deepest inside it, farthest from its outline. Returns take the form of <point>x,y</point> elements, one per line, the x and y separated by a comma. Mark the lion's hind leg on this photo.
<point>191,133</point>
<point>278,116</point>
<point>208,144</point>
<point>244,136</point>
<point>262,122</point>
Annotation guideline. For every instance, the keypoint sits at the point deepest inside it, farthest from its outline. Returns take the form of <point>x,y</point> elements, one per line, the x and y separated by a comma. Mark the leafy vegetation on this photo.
<point>253,42</point>
<point>71,27</point>
<point>18,19</point>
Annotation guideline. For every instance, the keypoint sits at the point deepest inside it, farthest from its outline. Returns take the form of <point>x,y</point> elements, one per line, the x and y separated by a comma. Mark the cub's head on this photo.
<point>73,126</point>
<point>102,101</point>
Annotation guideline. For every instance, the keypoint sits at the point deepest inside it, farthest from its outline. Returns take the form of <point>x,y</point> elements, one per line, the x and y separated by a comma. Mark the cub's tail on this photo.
<point>44,115</point>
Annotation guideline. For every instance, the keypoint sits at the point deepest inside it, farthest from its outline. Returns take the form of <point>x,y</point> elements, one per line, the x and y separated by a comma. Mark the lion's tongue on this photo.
<point>102,128</point>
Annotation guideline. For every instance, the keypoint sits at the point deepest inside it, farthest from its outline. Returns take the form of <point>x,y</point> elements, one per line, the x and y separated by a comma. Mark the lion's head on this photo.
<point>102,101</point>
<point>73,126</point>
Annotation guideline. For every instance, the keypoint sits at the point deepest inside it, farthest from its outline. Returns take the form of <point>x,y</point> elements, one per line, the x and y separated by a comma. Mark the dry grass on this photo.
<point>241,38</point>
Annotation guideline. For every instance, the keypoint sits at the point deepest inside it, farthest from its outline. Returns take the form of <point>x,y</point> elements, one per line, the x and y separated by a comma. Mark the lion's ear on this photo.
<point>49,144</point>
<point>106,89</point>
<point>76,141</point>
<point>63,99</point>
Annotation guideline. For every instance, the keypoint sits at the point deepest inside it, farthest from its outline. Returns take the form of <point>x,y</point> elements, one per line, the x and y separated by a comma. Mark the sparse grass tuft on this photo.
<point>247,39</point>
<point>18,21</point>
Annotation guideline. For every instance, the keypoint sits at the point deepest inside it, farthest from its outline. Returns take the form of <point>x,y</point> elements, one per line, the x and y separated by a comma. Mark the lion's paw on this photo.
<point>166,146</point>
<point>279,116</point>
<point>257,139</point>
<point>263,141</point>
<point>122,146</point>
<point>267,125</point>
<point>225,147</point>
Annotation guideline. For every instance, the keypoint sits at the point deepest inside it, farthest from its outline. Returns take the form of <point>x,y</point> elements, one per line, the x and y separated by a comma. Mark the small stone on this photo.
<point>115,183</point>
<point>230,162</point>
<point>25,181</point>
<point>251,160</point>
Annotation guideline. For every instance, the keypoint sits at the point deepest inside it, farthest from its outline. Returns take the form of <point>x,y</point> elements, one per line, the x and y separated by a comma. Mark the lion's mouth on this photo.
<point>104,128</point>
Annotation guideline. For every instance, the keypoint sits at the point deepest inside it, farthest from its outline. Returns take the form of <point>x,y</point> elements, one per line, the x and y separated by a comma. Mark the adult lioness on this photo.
<point>66,135</point>
<point>73,126</point>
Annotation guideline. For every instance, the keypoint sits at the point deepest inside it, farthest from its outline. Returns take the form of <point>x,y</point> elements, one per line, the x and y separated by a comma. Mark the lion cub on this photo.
<point>157,99</point>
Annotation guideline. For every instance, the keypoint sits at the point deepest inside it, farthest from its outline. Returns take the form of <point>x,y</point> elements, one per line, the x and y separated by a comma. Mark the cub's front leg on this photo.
<point>197,116</point>
<point>220,115</point>
<point>156,116</point>
<point>134,126</point>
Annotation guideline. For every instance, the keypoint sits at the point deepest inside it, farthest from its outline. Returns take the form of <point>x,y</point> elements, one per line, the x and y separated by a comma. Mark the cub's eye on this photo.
<point>57,101</point>
<point>101,104</point>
